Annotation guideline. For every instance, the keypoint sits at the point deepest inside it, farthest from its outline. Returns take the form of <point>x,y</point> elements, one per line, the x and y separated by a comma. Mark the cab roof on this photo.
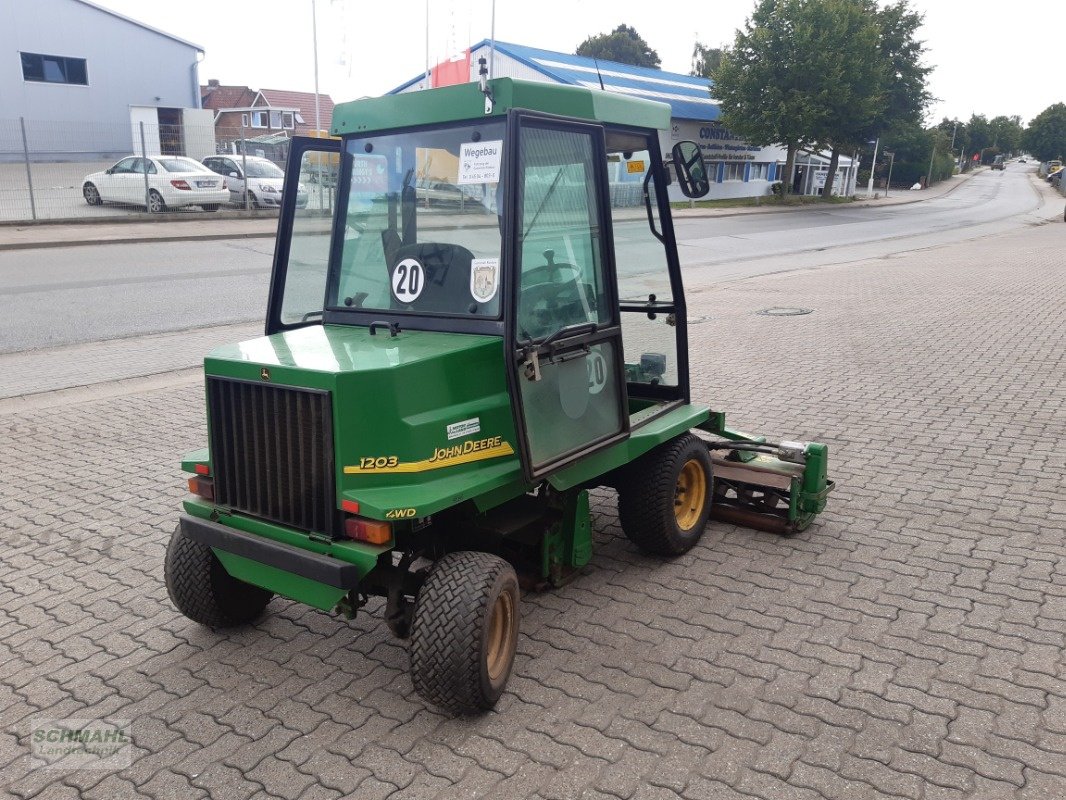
<point>466,102</point>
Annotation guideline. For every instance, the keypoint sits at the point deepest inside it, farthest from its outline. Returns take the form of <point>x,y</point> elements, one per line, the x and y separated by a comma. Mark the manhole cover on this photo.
<point>785,312</point>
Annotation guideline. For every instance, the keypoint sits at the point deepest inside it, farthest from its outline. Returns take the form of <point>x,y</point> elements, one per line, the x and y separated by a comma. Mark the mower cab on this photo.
<point>481,318</point>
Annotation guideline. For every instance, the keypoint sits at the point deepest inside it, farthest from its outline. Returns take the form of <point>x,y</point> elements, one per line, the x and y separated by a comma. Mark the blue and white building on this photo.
<point>739,169</point>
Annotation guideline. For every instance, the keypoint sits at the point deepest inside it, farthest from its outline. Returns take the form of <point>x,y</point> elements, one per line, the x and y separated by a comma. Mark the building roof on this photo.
<point>689,96</point>
<point>225,98</point>
<point>304,101</point>
<point>141,24</point>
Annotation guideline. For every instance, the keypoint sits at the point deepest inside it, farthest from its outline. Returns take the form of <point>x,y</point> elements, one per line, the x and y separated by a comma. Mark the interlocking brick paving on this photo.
<point>909,644</point>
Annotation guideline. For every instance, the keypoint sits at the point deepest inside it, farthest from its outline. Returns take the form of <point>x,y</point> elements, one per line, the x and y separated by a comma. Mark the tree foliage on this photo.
<point>623,45</point>
<point>705,60</point>
<point>823,74</point>
<point>1045,137</point>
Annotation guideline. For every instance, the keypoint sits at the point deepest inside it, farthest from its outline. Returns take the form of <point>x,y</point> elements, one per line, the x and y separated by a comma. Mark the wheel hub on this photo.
<point>690,495</point>
<point>501,634</point>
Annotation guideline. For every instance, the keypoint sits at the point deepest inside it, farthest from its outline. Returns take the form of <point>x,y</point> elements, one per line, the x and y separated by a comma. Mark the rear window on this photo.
<point>182,165</point>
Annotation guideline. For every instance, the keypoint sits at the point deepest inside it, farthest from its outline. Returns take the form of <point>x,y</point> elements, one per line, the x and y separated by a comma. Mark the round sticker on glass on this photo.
<point>407,280</point>
<point>597,371</point>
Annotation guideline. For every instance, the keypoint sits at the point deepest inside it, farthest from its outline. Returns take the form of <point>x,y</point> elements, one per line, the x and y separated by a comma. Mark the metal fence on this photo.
<point>76,170</point>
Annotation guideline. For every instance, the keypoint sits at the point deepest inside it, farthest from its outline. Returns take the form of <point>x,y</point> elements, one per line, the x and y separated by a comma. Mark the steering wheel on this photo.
<point>546,307</point>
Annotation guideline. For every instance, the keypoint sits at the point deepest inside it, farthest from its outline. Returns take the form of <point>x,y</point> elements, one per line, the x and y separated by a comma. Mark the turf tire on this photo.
<point>203,591</point>
<point>451,632</point>
<point>647,492</point>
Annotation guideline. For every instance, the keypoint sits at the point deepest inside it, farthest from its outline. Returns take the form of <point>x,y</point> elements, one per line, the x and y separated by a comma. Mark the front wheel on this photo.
<point>664,498</point>
<point>203,591</point>
<point>464,632</point>
<point>91,194</point>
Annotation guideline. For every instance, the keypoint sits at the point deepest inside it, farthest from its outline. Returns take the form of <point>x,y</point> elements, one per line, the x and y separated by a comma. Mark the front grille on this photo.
<point>272,452</point>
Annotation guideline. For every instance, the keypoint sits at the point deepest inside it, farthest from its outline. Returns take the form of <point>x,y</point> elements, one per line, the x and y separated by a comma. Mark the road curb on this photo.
<point>206,237</point>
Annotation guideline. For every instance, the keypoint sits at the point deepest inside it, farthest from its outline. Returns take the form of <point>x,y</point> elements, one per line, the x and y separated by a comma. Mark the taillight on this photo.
<point>203,469</point>
<point>180,184</point>
<point>370,531</point>
<point>202,486</point>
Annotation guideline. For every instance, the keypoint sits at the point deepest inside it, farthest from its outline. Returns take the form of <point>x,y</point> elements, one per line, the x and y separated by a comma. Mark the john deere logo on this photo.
<point>264,373</point>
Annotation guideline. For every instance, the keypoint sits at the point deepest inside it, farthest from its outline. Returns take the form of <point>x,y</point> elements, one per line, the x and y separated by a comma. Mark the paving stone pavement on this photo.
<point>909,644</point>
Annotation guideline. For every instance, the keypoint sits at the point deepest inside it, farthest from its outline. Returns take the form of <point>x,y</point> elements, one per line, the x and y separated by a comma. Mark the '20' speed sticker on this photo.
<point>407,280</point>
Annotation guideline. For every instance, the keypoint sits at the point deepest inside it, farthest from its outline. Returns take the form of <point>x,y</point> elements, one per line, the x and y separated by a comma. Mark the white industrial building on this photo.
<point>737,168</point>
<point>83,78</point>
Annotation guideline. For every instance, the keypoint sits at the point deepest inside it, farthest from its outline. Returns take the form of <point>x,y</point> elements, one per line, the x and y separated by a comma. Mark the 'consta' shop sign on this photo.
<point>721,144</point>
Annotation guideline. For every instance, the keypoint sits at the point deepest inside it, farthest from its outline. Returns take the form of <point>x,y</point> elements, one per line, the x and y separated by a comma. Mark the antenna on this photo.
<point>597,63</point>
<point>483,83</point>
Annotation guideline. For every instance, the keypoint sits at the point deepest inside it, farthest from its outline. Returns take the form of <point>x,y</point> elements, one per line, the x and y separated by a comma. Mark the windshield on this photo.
<point>421,232</point>
<point>182,165</point>
<point>263,169</point>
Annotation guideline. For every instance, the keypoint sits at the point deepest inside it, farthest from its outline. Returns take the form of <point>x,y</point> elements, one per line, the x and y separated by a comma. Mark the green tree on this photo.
<point>980,134</point>
<point>854,76</point>
<point>623,45</point>
<point>1006,133</point>
<point>705,60</point>
<point>768,85</point>
<point>905,91</point>
<point>822,73</point>
<point>1045,137</point>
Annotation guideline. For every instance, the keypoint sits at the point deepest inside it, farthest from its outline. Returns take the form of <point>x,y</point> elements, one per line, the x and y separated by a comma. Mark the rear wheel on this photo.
<point>464,632</point>
<point>156,205</point>
<point>91,194</point>
<point>665,497</point>
<point>203,591</point>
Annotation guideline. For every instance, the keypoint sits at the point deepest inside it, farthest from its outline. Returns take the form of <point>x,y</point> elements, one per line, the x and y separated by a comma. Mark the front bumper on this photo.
<point>293,560</point>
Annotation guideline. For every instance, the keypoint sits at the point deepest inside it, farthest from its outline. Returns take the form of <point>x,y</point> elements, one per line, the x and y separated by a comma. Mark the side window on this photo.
<point>561,266</point>
<point>124,166</point>
<point>649,336</point>
<point>308,255</point>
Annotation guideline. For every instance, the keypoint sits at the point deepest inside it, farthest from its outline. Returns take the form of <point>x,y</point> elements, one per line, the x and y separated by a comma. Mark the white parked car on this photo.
<point>265,180</point>
<point>173,181</point>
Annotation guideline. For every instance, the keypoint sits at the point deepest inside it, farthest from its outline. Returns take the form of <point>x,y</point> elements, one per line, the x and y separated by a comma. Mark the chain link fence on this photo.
<point>78,171</point>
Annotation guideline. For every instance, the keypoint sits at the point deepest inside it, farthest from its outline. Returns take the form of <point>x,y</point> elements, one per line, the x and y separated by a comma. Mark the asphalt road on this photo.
<point>67,295</point>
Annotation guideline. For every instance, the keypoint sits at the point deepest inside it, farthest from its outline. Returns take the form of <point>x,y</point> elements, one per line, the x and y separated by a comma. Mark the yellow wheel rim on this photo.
<point>500,645</point>
<point>690,496</point>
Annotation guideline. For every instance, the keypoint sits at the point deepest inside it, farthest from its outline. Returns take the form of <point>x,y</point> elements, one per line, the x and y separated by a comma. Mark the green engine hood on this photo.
<point>421,421</point>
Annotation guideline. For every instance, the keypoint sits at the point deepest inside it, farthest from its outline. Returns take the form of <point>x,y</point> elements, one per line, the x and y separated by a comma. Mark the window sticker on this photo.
<point>484,278</point>
<point>407,280</point>
<point>479,162</point>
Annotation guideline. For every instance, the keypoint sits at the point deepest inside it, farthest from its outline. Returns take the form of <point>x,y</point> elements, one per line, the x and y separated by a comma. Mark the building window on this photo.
<point>286,120</point>
<point>759,172</point>
<point>244,120</point>
<point>734,171</point>
<point>713,171</point>
<point>259,119</point>
<point>54,69</point>
<point>275,120</point>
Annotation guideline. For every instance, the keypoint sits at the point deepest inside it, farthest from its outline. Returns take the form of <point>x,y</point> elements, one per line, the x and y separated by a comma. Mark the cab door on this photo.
<point>305,235</point>
<point>567,374</point>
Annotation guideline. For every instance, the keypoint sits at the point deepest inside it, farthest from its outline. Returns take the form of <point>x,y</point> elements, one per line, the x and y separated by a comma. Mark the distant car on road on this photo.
<point>997,163</point>
<point>265,180</point>
<point>172,181</point>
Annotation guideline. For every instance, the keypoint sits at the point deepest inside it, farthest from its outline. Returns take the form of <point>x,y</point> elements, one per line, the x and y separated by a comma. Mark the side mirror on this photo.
<point>233,174</point>
<point>109,171</point>
<point>691,169</point>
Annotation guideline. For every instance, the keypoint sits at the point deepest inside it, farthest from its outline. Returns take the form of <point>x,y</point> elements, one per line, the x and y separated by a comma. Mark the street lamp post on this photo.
<point>870,183</point>
<point>891,161</point>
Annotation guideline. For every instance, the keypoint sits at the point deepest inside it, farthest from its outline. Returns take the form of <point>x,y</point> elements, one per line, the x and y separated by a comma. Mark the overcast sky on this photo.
<point>986,61</point>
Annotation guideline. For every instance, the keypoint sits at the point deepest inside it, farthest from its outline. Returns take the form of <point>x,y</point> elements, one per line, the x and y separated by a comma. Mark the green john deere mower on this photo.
<point>479,321</point>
